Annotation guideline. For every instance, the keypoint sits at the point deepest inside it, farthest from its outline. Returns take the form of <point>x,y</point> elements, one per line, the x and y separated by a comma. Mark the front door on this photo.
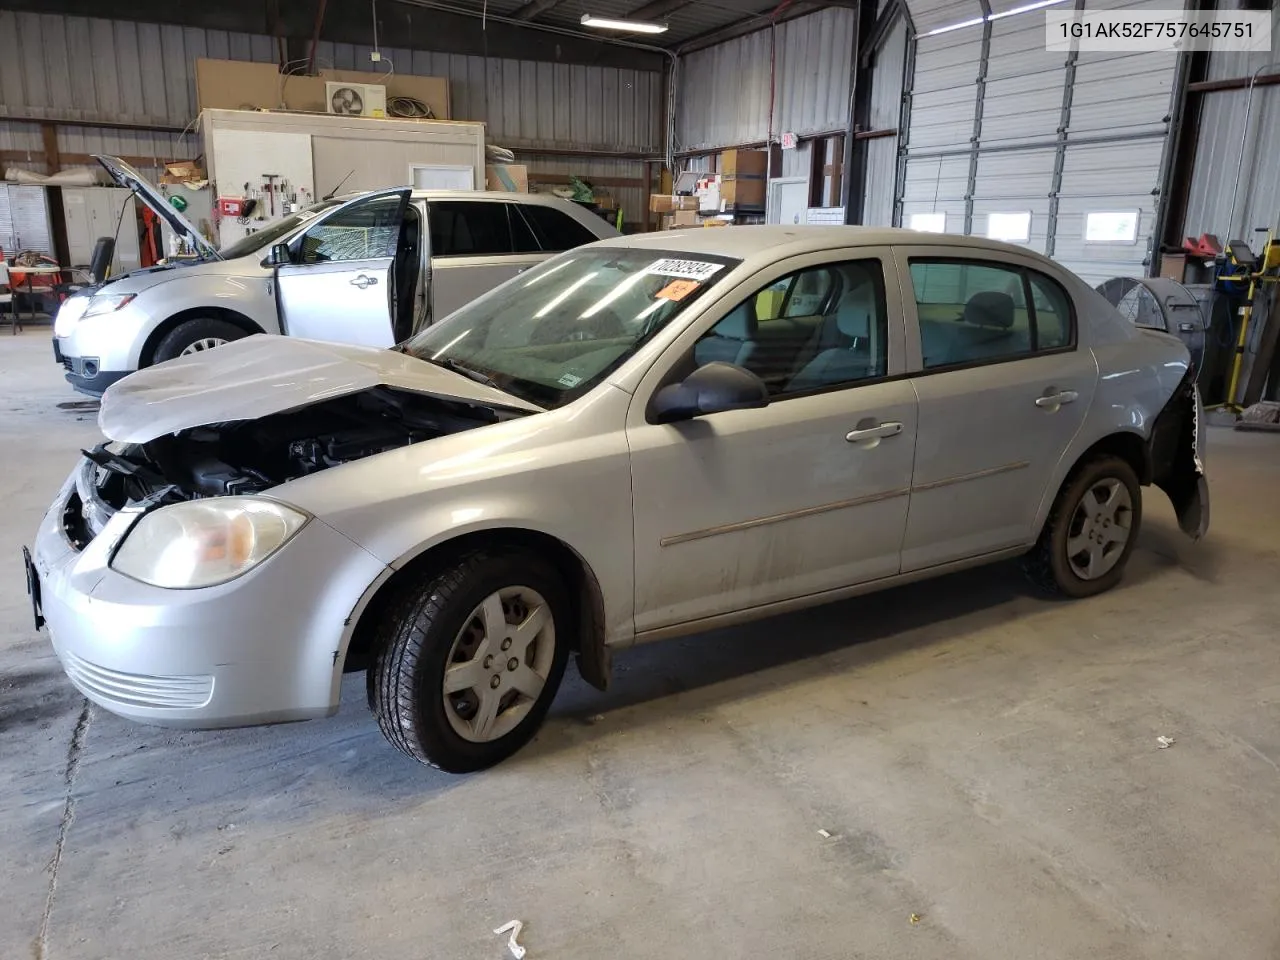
<point>1003,390</point>
<point>475,246</point>
<point>341,283</point>
<point>808,494</point>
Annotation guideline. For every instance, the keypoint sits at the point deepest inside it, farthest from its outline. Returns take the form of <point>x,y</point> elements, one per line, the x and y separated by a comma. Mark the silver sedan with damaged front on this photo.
<point>642,438</point>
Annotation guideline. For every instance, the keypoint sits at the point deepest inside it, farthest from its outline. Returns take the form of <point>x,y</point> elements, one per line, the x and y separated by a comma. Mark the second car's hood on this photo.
<point>266,374</point>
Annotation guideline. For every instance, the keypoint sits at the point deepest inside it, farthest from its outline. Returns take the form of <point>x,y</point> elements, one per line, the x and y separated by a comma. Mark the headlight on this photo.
<point>205,542</point>
<point>107,303</point>
<point>69,315</point>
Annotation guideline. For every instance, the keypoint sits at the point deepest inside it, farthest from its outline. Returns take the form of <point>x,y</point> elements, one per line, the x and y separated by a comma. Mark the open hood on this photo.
<point>266,374</point>
<point>126,176</point>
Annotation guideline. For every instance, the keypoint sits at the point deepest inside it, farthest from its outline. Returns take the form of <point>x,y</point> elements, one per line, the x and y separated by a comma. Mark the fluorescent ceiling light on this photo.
<point>1026,9</point>
<point>955,26</point>
<point>632,26</point>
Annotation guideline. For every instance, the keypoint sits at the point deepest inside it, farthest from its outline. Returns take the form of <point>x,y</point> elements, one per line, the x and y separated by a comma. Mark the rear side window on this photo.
<point>467,228</point>
<point>556,231</point>
<point>974,312</point>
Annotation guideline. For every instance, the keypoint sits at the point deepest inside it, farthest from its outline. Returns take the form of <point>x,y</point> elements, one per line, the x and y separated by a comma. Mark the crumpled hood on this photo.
<point>266,374</point>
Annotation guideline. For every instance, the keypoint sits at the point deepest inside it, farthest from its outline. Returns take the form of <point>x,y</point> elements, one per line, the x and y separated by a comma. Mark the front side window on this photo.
<point>556,331</point>
<point>277,232</point>
<point>817,328</point>
<point>368,230</point>
<point>973,312</point>
<point>469,228</point>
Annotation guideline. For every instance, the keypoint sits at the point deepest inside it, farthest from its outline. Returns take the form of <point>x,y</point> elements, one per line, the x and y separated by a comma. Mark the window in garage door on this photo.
<point>972,313</point>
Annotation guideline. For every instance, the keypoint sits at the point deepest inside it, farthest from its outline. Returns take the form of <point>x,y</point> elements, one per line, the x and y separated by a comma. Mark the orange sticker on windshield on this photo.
<point>676,290</point>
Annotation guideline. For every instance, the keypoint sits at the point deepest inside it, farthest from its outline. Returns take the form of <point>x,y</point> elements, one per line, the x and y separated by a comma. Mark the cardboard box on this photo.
<point>709,194</point>
<point>717,223</point>
<point>742,192</point>
<point>684,218</point>
<point>183,171</point>
<point>507,177</point>
<point>668,203</point>
<point>744,163</point>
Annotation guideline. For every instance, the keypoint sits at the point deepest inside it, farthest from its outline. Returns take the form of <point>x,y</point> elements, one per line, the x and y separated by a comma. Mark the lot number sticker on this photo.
<point>698,270</point>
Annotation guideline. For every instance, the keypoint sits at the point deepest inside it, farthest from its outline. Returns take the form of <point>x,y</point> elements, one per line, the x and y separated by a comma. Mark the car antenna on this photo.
<point>330,195</point>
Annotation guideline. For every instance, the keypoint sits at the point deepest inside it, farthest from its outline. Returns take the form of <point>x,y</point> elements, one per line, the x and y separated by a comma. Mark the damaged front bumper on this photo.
<point>263,648</point>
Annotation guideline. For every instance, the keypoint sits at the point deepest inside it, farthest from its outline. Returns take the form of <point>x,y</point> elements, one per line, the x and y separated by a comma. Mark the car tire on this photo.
<point>196,335</point>
<point>504,681</point>
<point>1081,552</point>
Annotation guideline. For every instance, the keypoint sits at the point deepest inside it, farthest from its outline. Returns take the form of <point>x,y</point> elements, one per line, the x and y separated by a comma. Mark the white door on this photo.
<point>340,285</point>
<point>805,495</point>
<point>788,200</point>
<point>1003,390</point>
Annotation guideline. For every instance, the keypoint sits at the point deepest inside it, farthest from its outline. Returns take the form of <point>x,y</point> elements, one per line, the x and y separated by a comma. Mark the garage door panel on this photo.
<point>1020,175</point>
<point>944,178</point>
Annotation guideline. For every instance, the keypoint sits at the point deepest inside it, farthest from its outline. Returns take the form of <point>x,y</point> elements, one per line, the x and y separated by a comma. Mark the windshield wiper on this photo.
<point>469,372</point>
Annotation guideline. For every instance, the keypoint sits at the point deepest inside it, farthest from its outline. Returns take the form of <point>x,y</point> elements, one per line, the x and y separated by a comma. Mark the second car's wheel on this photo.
<point>196,335</point>
<point>1090,532</point>
<point>468,659</point>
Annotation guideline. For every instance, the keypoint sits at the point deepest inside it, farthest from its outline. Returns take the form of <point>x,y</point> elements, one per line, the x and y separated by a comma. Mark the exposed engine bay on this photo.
<point>250,456</point>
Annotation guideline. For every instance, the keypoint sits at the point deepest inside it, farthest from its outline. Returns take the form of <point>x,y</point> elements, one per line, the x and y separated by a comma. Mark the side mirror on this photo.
<point>713,388</point>
<point>280,255</point>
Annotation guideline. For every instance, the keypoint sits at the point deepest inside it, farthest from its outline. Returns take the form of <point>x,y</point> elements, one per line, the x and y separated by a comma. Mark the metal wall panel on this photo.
<point>724,90</point>
<point>1218,153</point>
<point>1229,64</point>
<point>886,107</point>
<point>127,72</point>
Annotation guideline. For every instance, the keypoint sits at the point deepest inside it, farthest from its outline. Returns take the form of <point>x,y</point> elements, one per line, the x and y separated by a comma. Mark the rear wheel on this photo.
<point>469,659</point>
<point>195,336</point>
<point>1090,532</point>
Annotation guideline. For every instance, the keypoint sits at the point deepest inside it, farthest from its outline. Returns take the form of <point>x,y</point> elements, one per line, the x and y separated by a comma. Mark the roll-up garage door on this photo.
<point>999,126</point>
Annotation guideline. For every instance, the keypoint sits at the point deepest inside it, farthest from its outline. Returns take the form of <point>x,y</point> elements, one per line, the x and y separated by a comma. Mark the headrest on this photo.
<point>989,308</point>
<point>739,323</point>
<point>853,316</point>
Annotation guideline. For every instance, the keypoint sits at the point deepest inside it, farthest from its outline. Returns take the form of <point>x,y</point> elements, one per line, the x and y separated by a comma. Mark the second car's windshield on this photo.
<point>553,333</point>
<point>277,231</point>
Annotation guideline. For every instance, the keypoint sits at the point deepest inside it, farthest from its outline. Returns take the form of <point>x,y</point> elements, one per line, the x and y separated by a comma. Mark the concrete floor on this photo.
<point>983,760</point>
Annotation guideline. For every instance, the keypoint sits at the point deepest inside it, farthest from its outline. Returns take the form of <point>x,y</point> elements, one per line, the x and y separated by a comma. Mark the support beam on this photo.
<point>981,94</point>
<point>315,37</point>
<point>533,9</point>
<point>656,9</point>
<point>52,158</point>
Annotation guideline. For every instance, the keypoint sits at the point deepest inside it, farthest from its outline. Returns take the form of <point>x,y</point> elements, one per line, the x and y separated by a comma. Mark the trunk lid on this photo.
<point>265,374</point>
<point>126,176</point>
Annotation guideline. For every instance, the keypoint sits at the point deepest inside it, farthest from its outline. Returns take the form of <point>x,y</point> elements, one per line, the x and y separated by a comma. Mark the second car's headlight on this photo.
<point>205,542</point>
<point>107,303</point>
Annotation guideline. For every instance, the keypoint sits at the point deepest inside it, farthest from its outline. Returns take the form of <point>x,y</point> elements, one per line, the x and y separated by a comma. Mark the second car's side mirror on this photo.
<point>280,255</point>
<point>713,388</point>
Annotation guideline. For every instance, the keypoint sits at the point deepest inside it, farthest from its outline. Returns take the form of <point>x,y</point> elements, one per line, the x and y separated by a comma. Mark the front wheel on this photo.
<point>195,336</point>
<point>469,659</point>
<point>1090,532</point>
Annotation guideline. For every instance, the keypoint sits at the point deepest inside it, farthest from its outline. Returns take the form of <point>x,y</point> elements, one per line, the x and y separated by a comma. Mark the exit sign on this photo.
<point>788,141</point>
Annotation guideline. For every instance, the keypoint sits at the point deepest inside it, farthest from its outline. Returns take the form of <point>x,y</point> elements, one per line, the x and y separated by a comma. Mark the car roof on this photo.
<point>777,242</point>
<point>508,196</point>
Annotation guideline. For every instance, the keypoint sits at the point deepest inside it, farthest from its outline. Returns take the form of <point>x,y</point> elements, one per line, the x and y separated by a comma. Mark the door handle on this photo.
<point>889,429</point>
<point>1054,400</point>
<point>362,281</point>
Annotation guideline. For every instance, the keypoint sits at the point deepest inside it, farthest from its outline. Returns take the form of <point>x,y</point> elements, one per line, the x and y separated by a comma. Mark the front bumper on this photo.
<point>86,374</point>
<point>263,648</point>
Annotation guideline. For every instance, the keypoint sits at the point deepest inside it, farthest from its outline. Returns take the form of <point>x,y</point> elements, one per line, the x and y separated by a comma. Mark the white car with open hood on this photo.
<point>640,438</point>
<point>367,268</point>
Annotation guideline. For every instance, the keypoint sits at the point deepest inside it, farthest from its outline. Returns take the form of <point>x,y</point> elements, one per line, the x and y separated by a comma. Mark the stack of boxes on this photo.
<point>738,189</point>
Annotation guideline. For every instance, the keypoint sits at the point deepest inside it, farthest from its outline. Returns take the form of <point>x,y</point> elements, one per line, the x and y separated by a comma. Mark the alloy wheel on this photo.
<point>1099,529</point>
<point>499,664</point>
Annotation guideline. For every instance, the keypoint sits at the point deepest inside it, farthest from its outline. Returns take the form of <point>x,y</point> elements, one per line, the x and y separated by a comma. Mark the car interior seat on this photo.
<point>732,340</point>
<point>850,357</point>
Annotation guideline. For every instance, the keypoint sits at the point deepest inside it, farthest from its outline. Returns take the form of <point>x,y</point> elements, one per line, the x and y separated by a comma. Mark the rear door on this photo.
<point>339,286</point>
<point>475,246</point>
<point>1003,389</point>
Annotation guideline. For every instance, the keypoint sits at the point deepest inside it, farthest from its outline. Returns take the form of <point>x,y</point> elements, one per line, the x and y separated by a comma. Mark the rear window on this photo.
<point>556,231</point>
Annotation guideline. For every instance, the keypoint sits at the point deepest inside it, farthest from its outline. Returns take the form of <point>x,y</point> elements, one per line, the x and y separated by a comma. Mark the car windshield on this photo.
<point>550,335</point>
<point>277,231</point>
